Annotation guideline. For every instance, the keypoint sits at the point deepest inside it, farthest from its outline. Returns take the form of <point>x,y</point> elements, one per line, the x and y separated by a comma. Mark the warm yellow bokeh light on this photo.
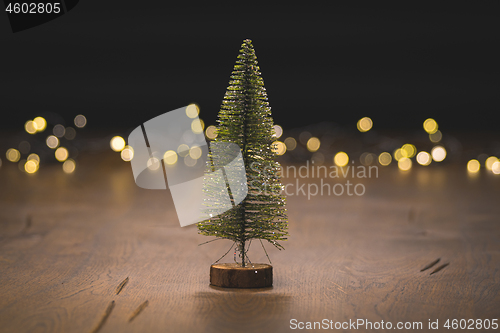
<point>278,131</point>
<point>341,159</point>
<point>211,132</point>
<point>438,153</point>
<point>278,147</point>
<point>424,158</point>
<point>385,159</point>
<point>192,111</point>
<point>313,144</point>
<point>290,143</point>
<point>31,166</point>
<point>80,121</point>
<point>195,152</point>
<point>153,163</point>
<point>408,150</point>
<point>52,141</point>
<point>30,127</point>
<point>365,124</point>
<point>430,126</point>
<point>183,150</point>
<point>495,168</point>
<point>473,166</point>
<point>197,126</point>
<point>404,164</point>
<point>436,137</point>
<point>170,157</point>
<point>490,161</point>
<point>34,157</point>
<point>69,166</point>
<point>117,143</point>
<point>40,124</point>
<point>13,155</point>
<point>398,154</point>
<point>127,154</point>
<point>61,154</point>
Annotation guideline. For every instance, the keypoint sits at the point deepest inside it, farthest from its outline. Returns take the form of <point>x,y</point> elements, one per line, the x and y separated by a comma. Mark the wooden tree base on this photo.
<point>232,275</point>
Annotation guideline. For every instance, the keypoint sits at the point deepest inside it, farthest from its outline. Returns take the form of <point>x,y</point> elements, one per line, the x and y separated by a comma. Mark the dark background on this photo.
<point>121,63</point>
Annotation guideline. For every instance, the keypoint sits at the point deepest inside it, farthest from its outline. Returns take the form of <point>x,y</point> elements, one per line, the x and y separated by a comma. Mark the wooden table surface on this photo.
<point>82,252</point>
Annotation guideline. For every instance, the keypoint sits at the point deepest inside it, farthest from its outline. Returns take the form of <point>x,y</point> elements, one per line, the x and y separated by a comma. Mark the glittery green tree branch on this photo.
<point>245,119</point>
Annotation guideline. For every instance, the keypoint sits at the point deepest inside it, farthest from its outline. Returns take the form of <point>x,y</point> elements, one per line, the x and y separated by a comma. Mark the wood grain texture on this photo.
<point>68,241</point>
<point>232,275</point>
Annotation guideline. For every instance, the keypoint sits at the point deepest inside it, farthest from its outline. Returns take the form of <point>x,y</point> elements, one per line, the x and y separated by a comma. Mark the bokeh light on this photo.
<point>69,166</point>
<point>495,168</point>
<point>367,158</point>
<point>385,159</point>
<point>13,155</point>
<point>80,121</point>
<point>290,143</point>
<point>127,154</point>
<point>117,143</point>
<point>30,127</point>
<point>304,136</point>
<point>430,126</point>
<point>61,154</point>
<point>490,161</point>
<point>183,150</point>
<point>341,159</point>
<point>34,157</point>
<point>278,130</point>
<point>408,150</point>
<point>70,133</point>
<point>195,152</point>
<point>211,132</point>
<point>313,144</point>
<point>31,166</point>
<point>398,154</point>
<point>153,163</point>
<point>52,141</point>
<point>190,162</point>
<point>278,147</point>
<point>438,153</point>
<point>40,124</point>
<point>436,136</point>
<point>473,166</point>
<point>192,111</point>
<point>59,130</point>
<point>404,164</point>
<point>170,157</point>
<point>365,124</point>
<point>424,158</point>
<point>197,126</point>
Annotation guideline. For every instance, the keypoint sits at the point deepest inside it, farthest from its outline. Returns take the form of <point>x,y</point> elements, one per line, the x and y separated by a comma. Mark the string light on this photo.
<point>473,166</point>
<point>424,158</point>
<point>438,153</point>
<point>313,144</point>
<point>364,124</point>
<point>117,143</point>
<point>290,143</point>
<point>404,164</point>
<point>385,159</point>
<point>341,159</point>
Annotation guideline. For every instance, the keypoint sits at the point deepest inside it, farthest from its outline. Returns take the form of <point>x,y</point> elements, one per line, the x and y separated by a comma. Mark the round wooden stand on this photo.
<point>232,275</point>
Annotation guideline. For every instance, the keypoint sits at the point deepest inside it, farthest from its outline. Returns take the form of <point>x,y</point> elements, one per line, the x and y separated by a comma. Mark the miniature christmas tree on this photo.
<point>245,119</point>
